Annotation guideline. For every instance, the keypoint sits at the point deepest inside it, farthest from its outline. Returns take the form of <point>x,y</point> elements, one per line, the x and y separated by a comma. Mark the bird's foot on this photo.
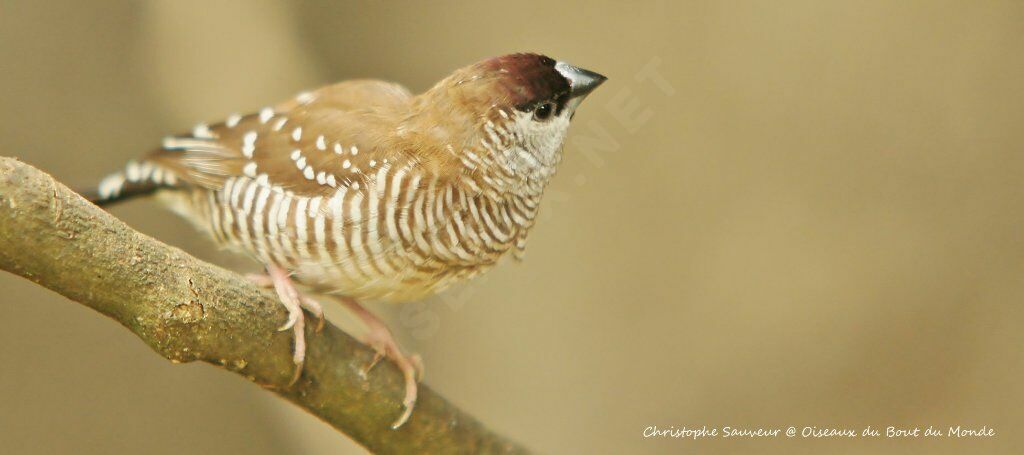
<point>411,366</point>
<point>309,304</point>
<point>292,300</point>
<point>379,338</point>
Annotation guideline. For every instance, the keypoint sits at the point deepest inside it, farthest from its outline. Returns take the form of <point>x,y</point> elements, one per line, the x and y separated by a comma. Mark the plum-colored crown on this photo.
<point>527,78</point>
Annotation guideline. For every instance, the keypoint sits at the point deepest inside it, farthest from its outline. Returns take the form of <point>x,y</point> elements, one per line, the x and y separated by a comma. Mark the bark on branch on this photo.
<point>189,310</point>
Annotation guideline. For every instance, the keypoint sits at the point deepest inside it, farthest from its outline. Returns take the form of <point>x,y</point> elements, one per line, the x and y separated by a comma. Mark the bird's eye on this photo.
<point>543,112</point>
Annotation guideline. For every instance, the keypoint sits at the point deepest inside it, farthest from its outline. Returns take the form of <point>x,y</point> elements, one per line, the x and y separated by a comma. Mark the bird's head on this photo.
<point>510,114</point>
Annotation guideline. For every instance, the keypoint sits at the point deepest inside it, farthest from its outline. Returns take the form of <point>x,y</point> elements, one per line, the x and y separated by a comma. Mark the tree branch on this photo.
<point>188,310</point>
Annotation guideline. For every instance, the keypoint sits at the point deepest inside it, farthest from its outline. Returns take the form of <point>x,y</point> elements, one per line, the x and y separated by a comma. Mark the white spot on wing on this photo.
<point>145,171</point>
<point>265,114</point>
<point>158,175</point>
<point>132,171</point>
<point>250,169</point>
<point>111,186</point>
<point>249,144</point>
<point>202,131</point>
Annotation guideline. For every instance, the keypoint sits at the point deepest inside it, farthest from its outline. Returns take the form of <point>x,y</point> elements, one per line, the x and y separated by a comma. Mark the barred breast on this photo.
<point>403,235</point>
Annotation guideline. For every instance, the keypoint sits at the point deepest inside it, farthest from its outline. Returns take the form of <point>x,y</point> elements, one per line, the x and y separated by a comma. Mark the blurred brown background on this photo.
<point>814,220</point>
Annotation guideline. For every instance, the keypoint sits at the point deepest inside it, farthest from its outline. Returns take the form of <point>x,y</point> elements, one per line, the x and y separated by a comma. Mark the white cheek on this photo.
<point>543,140</point>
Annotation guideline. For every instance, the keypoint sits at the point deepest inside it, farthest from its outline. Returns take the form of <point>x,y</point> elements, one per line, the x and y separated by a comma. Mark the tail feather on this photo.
<point>137,179</point>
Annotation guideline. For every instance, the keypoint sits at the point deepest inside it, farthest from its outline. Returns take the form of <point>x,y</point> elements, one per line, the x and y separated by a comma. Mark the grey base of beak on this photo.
<point>581,81</point>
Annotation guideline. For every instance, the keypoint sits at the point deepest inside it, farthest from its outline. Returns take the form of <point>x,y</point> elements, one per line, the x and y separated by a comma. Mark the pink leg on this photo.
<point>307,303</point>
<point>296,320</point>
<point>380,339</point>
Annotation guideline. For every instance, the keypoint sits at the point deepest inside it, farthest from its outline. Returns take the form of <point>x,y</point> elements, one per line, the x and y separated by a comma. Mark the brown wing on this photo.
<point>337,135</point>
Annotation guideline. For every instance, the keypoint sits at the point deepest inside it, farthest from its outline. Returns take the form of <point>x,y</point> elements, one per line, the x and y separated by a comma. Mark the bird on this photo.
<point>362,190</point>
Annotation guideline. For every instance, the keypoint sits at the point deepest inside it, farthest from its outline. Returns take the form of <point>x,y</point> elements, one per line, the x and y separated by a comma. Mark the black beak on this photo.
<point>581,81</point>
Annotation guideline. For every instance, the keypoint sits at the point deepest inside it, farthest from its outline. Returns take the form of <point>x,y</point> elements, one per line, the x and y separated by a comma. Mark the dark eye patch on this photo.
<point>558,104</point>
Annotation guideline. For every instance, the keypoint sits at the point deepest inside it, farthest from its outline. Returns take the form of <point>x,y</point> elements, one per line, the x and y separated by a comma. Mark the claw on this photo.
<point>409,402</point>
<point>296,374</point>
<point>293,318</point>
